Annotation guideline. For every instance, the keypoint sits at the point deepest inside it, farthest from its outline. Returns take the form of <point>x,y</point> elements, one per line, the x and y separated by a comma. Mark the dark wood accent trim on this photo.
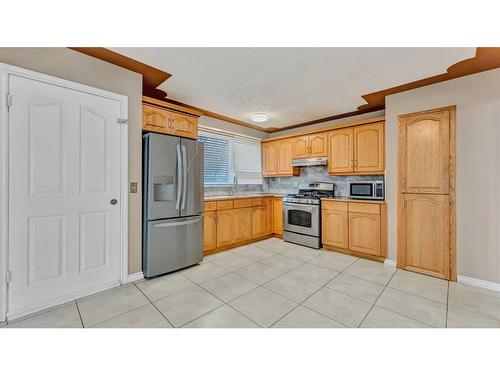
<point>151,77</point>
<point>349,124</point>
<point>324,119</point>
<point>217,116</point>
<point>175,107</point>
<point>486,58</point>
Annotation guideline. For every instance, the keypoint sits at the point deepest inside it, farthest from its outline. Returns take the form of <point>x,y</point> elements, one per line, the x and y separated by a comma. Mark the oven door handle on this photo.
<point>303,207</point>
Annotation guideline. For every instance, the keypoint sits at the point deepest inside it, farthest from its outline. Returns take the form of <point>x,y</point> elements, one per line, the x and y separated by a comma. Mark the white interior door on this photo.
<point>64,171</point>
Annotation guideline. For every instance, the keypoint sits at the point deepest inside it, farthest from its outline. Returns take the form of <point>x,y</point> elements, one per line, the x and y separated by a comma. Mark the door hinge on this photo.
<point>8,277</point>
<point>122,121</point>
<point>9,101</point>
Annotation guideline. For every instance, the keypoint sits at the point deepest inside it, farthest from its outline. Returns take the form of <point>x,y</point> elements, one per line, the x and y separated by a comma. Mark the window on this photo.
<point>228,155</point>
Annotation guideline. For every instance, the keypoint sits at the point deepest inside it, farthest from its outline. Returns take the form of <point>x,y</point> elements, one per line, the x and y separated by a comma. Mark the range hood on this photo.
<point>308,162</point>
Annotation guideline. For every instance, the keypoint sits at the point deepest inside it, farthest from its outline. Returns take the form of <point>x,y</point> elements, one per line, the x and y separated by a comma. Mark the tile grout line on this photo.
<point>385,287</point>
<point>152,303</point>
<point>79,313</point>
<point>301,303</point>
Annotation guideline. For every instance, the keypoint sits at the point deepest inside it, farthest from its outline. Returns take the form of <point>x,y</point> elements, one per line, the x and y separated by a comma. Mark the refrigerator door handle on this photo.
<point>179,178</point>
<point>184,177</point>
<point>176,224</point>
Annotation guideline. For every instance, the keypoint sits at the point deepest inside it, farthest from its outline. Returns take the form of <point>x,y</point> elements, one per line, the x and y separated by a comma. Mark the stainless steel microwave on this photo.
<point>366,189</point>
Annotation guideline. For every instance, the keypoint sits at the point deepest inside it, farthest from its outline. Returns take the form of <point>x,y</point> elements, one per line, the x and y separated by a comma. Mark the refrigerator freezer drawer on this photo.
<point>173,244</point>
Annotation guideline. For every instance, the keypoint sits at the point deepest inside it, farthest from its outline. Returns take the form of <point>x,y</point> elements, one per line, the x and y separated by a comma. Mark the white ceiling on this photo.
<point>291,85</point>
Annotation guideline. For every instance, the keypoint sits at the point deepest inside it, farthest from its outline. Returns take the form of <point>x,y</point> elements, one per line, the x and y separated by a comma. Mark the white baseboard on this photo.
<point>390,262</point>
<point>135,277</point>
<point>491,285</point>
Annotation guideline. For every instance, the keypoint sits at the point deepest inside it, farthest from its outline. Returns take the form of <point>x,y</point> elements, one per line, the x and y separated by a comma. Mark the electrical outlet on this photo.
<point>133,187</point>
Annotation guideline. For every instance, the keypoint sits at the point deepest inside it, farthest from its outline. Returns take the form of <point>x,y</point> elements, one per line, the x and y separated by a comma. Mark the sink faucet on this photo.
<point>235,182</point>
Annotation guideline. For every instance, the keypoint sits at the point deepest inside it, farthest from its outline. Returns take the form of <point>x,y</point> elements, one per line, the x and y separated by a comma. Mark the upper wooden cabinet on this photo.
<point>270,158</point>
<point>340,151</point>
<point>284,147</point>
<point>277,158</point>
<point>156,118</point>
<point>308,146</point>
<point>184,125</point>
<point>369,148</point>
<point>357,150</point>
<point>424,157</point>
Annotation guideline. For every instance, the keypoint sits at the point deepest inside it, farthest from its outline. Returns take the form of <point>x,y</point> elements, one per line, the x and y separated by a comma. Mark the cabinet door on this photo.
<point>335,228</point>
<point>270,158</point>
<point>225,227</point>
<point>278,216</point>
<point>269,216</point>
<point>300,147</point>
<point>318,144</point>
<point>155,119</point>
<point>259,221</point>
<point>242,224</point>
<point>340,151</point>
<point>364,233</point>
<point>424,240</point>
<point>184,125</point>
<point>369,148</point>
<point>284,148</point>
<point>210,230</point>
<point>424,152</point>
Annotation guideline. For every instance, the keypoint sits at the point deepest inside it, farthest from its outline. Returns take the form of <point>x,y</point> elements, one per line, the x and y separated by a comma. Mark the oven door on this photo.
<point>302,218</point>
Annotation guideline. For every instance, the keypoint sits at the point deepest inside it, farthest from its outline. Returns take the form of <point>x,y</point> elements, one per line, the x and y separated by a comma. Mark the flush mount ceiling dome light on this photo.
<point>259,117</point>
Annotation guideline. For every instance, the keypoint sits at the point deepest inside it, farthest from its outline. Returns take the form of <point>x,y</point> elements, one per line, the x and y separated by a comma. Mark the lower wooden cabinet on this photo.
<point>242,224</point>
<point>278,216</point>
<point>424,245</point>
<point>229,223</point>
<point>225,225</point>
<point>210,231</point>
<point>335,228</point>
<point>358,228</point>
<point>364,233</point>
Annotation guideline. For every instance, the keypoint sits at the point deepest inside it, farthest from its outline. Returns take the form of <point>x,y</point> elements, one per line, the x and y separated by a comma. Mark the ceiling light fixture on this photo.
<point>259,117</point>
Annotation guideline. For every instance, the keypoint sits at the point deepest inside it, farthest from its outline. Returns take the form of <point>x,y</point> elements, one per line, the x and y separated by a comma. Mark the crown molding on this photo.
<point>486,58</point>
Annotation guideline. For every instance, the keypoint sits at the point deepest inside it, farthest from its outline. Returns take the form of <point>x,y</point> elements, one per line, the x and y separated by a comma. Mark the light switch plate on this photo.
<point>133,187</point>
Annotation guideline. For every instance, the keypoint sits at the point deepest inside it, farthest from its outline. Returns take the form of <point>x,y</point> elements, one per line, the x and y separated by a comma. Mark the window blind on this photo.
<point>218,159</point>
<point>229,155</point>
<point>247,161</point>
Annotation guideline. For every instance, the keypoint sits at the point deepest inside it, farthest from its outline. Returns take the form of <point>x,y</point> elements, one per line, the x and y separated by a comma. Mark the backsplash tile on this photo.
<point>286,185</point>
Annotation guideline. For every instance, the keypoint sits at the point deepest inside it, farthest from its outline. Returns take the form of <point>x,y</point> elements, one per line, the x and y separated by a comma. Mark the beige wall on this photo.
<point>74,66</point>
<point>477,98</point>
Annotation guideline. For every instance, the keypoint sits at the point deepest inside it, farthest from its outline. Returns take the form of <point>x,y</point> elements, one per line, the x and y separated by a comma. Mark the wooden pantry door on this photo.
<point>426,204</point>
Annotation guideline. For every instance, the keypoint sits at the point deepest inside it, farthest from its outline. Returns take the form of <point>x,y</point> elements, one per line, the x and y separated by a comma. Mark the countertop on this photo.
<point>346,199</point>
<point>243,196</point>
<point>276,195</point>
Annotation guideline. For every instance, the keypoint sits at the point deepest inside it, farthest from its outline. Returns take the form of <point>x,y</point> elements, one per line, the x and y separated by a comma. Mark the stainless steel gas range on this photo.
<point>302,214</point>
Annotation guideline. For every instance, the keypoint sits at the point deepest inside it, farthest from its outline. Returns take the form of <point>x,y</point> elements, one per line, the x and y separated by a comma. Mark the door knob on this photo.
<point>113,201</point>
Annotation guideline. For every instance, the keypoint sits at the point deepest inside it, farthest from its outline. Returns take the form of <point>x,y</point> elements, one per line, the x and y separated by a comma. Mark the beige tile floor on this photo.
<point>277,284</point>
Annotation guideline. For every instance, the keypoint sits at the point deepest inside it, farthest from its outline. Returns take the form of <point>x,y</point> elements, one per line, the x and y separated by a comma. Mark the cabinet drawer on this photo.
<point>365,208</point>
<point>258,202</point>
<point>337,206</point>
<point>240,203</point>
<point>224,205</point>
<point>210,206</point>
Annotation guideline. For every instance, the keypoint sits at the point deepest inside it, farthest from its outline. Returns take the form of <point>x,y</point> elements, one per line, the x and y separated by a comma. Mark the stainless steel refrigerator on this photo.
<point>172,203</point>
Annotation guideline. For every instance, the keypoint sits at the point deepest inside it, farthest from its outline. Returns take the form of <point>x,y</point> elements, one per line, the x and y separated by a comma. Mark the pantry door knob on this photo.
<point>113,201</point>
